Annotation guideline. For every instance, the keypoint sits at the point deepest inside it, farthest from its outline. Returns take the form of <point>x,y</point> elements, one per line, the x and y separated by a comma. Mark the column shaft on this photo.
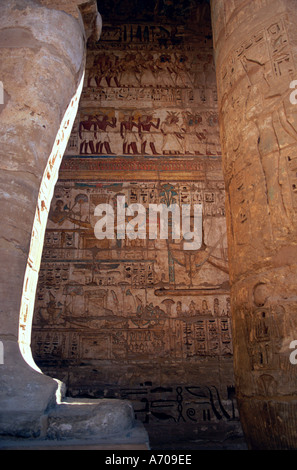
<point>42,59</point>
<point>256,61</point>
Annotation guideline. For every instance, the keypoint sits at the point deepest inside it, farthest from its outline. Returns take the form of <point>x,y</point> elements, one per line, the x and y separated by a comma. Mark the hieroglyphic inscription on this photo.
<point>108,286</point>
<point>111,312</point>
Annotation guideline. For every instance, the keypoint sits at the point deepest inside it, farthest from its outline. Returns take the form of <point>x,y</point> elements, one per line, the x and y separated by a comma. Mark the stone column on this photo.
<point>42,60</point>
<point>256,61</point>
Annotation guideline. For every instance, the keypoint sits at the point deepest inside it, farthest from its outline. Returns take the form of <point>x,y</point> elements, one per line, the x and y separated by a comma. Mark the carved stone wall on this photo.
<point>143,319</point>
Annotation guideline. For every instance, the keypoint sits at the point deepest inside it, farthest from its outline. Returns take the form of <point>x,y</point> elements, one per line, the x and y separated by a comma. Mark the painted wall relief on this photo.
<point>87,284</point>
<point>141,319</point>
<point>141,98</point>
<point>147,132</point>
<point>129,308</point>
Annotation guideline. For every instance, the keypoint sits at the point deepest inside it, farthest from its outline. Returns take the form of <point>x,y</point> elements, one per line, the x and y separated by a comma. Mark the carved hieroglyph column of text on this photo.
<point>256,62</point>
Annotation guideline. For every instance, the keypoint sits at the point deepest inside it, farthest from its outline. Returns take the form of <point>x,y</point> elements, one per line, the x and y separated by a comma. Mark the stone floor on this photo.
<point>134,439</point>
<point>237,444</point>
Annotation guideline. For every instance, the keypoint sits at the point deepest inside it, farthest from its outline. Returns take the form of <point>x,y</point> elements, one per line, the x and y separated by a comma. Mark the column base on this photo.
<point>26,395</point>
<point>133,439</point>
<point>35,412</point>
